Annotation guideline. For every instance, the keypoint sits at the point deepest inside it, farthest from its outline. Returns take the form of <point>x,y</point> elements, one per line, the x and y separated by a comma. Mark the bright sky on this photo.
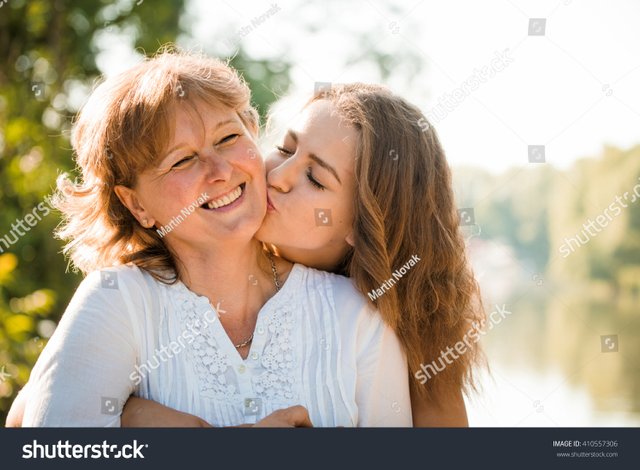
<point>573,89</point>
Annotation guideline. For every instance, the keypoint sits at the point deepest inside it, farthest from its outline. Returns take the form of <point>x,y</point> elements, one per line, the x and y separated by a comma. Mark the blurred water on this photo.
<point>561,358</point>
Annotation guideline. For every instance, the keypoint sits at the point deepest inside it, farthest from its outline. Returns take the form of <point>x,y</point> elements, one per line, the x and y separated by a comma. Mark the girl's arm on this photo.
<point>451,414</point>
<point>142,413</point>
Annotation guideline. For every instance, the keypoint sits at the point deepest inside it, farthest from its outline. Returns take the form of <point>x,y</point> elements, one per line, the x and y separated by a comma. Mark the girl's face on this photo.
<point>310,189</point>
<point>209,185</point>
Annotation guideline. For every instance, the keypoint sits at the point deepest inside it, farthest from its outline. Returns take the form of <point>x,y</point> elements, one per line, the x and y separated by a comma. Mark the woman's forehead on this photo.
<point>209,113</point>
<point>201,117</point>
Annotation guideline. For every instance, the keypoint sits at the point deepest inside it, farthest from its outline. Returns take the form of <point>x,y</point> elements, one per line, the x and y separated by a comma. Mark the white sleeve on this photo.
<point>82,378</point>
<point>382,387</point>
<point>381,370</point>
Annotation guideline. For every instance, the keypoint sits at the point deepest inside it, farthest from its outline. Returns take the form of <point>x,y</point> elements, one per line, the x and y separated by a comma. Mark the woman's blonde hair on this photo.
<point>404,206</point>
<point>124,129</point>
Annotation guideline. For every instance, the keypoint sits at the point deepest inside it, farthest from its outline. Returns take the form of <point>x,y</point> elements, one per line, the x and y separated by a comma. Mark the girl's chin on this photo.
<point>267,234</point>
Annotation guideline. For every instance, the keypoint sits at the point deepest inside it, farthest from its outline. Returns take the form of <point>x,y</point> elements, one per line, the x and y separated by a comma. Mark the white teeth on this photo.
<point>225,200</point>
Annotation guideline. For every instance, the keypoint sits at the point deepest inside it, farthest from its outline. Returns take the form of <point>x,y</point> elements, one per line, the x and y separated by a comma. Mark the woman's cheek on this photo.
<point>253,157</point>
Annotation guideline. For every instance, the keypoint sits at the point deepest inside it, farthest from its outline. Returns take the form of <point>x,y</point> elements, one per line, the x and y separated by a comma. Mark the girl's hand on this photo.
<point>292,417</point>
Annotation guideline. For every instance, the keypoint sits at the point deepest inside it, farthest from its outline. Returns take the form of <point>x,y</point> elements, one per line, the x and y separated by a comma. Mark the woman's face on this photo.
<point>311,187</point>
<point>209,185</point>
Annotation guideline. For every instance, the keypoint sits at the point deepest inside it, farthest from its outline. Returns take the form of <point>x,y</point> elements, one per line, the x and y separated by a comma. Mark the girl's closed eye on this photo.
<point>284,151</point>
<point>314,181</point>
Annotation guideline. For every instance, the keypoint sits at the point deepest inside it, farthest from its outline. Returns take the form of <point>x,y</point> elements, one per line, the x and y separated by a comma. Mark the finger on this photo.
<point>298,416</point>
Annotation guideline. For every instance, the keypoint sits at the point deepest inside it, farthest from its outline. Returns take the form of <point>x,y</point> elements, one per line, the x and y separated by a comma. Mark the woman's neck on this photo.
<point>237,280</point>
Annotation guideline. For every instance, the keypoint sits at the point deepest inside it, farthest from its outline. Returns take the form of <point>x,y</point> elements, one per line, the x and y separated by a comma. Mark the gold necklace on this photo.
<point>274,270</point>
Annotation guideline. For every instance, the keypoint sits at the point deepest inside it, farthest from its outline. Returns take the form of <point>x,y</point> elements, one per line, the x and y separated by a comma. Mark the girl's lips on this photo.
<point>270,206</point>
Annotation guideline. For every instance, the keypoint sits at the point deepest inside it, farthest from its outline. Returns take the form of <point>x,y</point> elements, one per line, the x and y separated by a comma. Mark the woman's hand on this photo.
<point>142,413</point>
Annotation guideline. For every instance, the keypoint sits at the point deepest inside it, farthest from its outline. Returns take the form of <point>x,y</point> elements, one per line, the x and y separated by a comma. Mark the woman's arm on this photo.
<point>83,376</point>
<point>450,414</point>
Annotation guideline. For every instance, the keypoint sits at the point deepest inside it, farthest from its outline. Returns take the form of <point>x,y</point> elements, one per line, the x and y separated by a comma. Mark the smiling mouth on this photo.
<point>225,200</point>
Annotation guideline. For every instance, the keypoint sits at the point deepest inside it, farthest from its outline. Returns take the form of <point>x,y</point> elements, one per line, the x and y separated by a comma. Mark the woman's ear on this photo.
<point>130,199</point>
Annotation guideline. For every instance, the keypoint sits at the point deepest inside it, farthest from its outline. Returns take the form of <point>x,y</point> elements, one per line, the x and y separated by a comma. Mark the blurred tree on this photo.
<point>537,210</point>
<point>592,189</point>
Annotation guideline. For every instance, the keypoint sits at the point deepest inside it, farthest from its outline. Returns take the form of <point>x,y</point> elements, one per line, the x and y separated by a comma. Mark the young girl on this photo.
<point>389,182</point>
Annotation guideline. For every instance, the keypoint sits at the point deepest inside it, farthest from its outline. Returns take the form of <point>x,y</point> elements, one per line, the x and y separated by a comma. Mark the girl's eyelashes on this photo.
<point>283,151</point>
<point>314,181</point>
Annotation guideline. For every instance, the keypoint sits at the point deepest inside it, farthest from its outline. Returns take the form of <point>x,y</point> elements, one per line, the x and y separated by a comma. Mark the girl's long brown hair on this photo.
<point>404,206</point>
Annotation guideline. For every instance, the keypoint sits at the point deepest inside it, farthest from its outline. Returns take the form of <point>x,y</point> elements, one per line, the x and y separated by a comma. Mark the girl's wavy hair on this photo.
<point>124,128</point>
<point>404,206</point>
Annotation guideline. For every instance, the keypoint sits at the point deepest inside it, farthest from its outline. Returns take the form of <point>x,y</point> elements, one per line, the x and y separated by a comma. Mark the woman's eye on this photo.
<point>183,162</point>
<point>283,151</point>
<point>229,139</point>
<point>313,181</point>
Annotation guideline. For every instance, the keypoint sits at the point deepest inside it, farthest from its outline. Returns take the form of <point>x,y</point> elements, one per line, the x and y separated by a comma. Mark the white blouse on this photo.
<point>317,343</point>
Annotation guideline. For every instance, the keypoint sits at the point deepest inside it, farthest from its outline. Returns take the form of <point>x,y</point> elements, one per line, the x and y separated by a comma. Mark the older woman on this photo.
<point>181,304</point>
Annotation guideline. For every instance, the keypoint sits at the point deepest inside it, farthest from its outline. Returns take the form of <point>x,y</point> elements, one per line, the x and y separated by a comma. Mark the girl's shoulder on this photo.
<point>336,293</point>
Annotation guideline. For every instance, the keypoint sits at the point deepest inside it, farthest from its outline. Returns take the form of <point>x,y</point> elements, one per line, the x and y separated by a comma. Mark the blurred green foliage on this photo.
<point>48,52</point>
<point>535,209</point>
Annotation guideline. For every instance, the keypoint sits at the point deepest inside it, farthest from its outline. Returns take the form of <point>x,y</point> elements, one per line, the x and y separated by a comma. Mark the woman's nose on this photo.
<point>217,168</point>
